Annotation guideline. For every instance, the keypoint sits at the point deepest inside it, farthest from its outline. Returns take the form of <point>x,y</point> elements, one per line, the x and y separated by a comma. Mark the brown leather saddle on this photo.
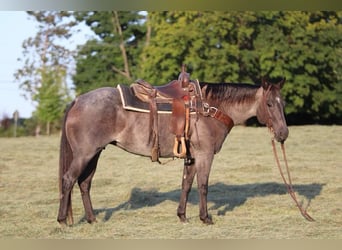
<point>185,97</point>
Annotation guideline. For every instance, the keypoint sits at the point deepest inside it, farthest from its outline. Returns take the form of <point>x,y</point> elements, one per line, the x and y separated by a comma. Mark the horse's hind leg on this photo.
<point>68,180</point>
<point>84,182</point>
<point>188,178</point>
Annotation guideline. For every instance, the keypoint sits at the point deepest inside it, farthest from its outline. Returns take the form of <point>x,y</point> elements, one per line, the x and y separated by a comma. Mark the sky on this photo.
<point>15,27</point>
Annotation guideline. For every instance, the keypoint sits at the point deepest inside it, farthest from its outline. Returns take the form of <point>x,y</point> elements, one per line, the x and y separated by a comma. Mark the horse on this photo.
<point>97,118</point>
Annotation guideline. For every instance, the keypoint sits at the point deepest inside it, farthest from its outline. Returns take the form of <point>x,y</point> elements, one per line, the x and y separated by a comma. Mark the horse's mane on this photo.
<point>230,92</point>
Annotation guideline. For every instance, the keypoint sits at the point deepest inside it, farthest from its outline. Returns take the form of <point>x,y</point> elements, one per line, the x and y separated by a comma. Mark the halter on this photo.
<point>268,119</point>
<point>288,183</point>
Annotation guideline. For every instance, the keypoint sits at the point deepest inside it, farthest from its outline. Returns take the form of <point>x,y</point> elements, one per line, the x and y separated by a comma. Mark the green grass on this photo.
<point>134,198</point>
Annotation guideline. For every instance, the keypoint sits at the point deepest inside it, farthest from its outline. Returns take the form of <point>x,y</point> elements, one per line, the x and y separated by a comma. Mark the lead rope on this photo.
<point>289,184</point>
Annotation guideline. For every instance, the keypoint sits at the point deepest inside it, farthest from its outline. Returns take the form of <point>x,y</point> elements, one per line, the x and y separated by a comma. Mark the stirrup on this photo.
<point>176,153</point>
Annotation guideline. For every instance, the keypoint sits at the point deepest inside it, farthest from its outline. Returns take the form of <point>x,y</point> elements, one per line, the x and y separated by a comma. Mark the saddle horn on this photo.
<point>184,77</point>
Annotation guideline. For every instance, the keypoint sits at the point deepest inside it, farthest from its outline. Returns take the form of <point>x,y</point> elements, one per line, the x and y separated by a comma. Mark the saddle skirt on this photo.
<point>179,99</point>
<point>131,102</point>
<point>136,96</point>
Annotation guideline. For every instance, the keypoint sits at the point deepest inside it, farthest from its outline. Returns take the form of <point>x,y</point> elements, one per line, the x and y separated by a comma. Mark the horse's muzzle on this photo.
<point>281,135</point>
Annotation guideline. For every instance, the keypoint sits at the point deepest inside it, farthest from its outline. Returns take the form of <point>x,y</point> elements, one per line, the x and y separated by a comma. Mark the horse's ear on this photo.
<point>281,83</point>
<point>264,83</point>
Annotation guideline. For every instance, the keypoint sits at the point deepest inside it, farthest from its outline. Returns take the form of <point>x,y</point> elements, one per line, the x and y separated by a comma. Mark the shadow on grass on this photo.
<point>225,197</point>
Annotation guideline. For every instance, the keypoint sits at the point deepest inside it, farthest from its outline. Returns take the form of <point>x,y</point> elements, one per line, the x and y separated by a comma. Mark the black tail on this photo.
<point>65,158</point>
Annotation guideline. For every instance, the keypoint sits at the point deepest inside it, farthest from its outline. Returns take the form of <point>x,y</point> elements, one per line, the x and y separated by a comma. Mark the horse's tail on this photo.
<point>65,158</point>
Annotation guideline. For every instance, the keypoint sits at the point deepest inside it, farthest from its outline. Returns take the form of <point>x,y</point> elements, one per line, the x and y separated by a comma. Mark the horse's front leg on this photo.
<point>187,180</point>
<point>203,166</point>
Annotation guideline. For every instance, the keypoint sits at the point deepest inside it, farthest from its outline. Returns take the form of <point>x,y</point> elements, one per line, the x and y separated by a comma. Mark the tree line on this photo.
<point>235,46</point>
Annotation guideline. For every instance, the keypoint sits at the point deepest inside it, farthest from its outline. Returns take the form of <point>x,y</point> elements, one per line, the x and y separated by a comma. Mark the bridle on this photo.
<point>288,183</point>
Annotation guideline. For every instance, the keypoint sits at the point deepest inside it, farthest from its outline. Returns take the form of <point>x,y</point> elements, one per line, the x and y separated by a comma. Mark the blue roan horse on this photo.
<point>97,118</point>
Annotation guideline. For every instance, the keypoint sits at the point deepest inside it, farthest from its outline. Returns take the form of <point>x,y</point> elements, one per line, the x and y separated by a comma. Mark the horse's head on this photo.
<point>271,110</point>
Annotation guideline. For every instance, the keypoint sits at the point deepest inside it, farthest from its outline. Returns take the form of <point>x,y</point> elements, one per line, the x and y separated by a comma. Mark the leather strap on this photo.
<point>222,117</point>
<point>225,119</point>
<point>289,183</point>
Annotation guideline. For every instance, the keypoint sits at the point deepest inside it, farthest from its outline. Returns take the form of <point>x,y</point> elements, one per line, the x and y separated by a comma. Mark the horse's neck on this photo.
<point>240,112</point>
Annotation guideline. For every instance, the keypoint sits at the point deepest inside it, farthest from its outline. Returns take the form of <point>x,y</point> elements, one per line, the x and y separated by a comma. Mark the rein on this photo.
<point>288,183</point>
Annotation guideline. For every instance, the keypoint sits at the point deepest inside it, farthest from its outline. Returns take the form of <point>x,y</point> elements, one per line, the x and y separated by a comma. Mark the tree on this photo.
<point>113,57</point>
<point>235,46</point>
<point>199,39</point>
<point>51,97</point>
<point>46,60</point>
<point>304,47</point>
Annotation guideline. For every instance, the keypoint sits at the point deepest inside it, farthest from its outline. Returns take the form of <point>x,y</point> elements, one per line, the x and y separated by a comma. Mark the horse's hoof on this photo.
<point>207,221</point>
<point>183,219</point>
<point>92,221</point>
<point>63,223</point>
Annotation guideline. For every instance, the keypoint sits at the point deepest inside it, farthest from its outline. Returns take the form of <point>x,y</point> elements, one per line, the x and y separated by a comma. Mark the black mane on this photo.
<point>230,92</point>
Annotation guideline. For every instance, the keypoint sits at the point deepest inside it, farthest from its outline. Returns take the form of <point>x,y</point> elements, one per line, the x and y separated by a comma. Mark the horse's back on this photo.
<point>92,118</point>
<point>99,97</point>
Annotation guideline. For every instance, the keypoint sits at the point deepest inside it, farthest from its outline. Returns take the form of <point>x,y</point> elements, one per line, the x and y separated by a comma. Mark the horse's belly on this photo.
<point>136,136</point>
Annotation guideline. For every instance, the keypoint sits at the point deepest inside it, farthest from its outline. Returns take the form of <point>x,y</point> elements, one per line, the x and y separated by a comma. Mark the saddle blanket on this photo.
<point>131,102</point>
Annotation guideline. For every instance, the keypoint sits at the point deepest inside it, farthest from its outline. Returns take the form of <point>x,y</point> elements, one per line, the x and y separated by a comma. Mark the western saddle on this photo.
<point>185,97</point>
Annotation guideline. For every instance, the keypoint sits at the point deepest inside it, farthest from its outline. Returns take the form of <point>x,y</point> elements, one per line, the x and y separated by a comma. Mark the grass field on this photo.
<point>134,198</point>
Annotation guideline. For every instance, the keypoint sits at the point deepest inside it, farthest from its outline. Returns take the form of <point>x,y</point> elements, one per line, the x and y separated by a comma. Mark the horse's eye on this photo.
<point>269,104</point>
